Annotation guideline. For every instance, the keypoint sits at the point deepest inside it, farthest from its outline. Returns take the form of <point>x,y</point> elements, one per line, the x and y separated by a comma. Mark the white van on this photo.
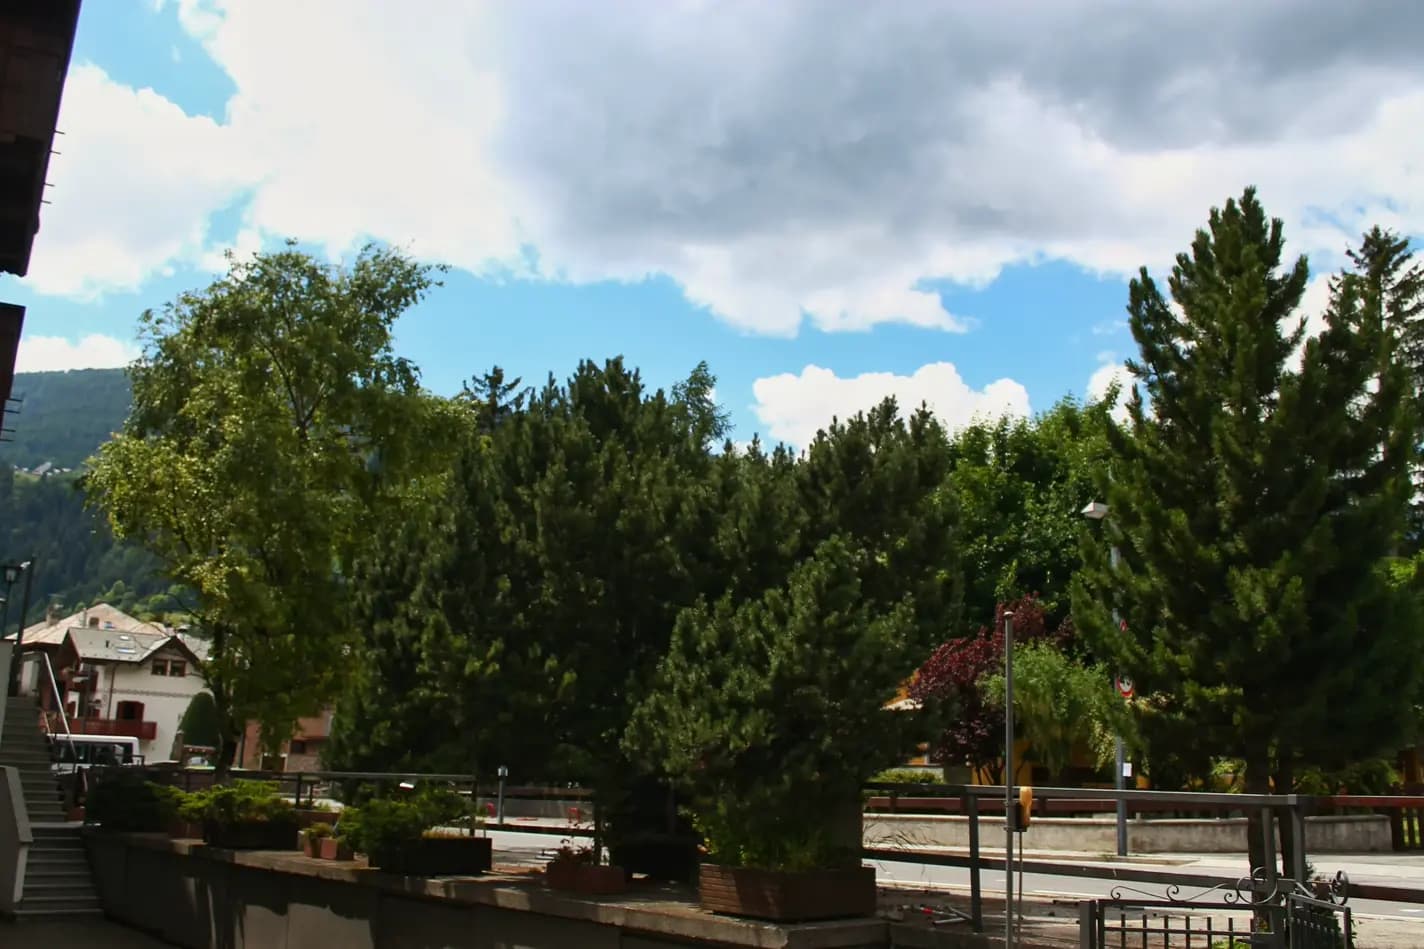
<point>81,752</point>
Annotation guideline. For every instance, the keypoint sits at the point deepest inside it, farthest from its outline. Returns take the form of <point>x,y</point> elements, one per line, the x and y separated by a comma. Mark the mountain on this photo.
<point>64,416</point>
<point>75,561</point>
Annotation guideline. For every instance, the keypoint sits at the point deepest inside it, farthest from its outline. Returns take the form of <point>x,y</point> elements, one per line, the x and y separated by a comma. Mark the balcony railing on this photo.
<point>143,731</point>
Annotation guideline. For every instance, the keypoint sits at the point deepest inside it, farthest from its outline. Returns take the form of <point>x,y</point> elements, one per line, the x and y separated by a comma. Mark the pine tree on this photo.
<point>1393,284</point>
<point>1254,507</point>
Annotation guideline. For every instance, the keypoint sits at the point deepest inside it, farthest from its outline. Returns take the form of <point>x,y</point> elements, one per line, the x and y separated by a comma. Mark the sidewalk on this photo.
<point>95,933</point>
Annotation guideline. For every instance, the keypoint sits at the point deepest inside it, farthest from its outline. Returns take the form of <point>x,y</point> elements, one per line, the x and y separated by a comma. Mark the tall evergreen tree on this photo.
<point>1254,509</point>
<point>1393,284</point>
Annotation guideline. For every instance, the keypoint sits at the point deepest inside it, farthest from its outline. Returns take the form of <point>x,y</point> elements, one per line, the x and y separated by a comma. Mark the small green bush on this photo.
<point>318,830</point>
<point>384,824</point>
<point>238,802</point>
<point>125,801</point>
<point>907,776</point>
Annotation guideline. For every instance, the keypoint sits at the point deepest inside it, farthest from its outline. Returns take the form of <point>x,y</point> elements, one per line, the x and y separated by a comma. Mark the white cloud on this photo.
<point>1104,377</point>
<point>95,351</point>
<point>794,407</point>
<point>135,183</point>
<point>780,164</point>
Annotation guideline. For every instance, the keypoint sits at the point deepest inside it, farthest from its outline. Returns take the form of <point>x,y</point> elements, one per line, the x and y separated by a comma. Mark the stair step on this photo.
<point>72,889</point>
<point>56,909</point>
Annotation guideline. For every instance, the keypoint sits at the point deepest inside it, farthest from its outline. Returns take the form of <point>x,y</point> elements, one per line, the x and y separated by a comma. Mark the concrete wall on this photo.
<point>192,896</point>
<point>1351,834</point>
<point>15,839</point>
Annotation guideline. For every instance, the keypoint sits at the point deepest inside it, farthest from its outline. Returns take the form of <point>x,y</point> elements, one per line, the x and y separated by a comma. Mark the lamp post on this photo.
<point>1008,780</point>
<point>1097,511</point>
<point>12,573</point>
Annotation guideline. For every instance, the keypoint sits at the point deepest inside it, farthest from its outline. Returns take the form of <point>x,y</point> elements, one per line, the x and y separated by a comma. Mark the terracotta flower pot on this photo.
<point>185,830</point>
<point>334,848</point>
<point>311,846</point>
<point>586,879</point>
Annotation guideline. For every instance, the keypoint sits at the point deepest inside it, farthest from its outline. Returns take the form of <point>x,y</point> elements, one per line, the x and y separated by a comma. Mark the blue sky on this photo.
<point>948,213</point>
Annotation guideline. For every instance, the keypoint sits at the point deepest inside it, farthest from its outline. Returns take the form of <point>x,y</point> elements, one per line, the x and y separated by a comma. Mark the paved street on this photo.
<point>94,933</point>
<point>1386,869</point>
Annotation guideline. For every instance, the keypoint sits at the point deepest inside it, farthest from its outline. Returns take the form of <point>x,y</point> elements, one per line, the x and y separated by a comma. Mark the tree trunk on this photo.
<point>1285,784</point>
<point>1262,823</point>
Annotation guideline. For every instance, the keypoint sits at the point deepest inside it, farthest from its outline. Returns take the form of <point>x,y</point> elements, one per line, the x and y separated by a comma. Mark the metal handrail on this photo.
<point>58,700</point>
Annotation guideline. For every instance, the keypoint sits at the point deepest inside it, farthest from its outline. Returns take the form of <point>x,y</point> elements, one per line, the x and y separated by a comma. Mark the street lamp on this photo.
<point>1097,511</point>
<point>11,572</point>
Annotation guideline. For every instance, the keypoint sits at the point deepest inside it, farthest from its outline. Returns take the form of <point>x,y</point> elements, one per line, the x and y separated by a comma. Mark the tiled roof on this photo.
<point>109,618</point>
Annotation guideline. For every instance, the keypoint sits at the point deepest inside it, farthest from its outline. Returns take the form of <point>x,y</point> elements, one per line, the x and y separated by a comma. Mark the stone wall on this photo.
<point>1349,834</point>
<point>195,896</point>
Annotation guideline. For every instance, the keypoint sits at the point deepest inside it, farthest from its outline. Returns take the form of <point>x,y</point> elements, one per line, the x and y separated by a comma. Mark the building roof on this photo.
<point>36,39</point>
<point>113,645</point>
<point>52,631</point>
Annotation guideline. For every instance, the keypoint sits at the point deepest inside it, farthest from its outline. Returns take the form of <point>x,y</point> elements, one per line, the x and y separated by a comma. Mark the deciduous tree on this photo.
<point>272,425</point>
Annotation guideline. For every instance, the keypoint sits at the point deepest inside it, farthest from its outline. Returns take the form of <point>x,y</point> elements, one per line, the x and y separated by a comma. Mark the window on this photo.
<point>130,711</point>
<point>160,667</point>
<point>170,667</point>
<point>298,747</point>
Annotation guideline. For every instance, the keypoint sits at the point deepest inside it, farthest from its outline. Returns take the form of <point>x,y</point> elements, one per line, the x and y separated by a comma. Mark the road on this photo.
<point>534,849</point>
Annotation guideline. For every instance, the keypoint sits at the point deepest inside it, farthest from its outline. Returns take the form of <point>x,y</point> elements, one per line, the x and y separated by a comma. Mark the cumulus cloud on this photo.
<point>136,181</point>
<point>1111,371</point>
<point>95,351</point>
<point>782,162</point>
<point>794,407</point>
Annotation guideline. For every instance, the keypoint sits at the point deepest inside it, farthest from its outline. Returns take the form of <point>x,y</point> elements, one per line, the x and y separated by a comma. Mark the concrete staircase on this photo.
<point>58,881</point>
<point>24,746</point>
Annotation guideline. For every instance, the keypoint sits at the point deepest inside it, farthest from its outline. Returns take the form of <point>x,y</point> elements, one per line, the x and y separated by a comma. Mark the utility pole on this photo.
<point>1008,780</point>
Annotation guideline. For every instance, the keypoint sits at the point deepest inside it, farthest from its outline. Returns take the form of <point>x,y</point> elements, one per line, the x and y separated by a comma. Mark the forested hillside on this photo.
<point>64,416</point>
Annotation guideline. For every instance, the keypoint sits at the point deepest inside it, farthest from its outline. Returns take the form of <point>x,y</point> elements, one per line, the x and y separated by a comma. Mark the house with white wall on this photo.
<point>117,675</point>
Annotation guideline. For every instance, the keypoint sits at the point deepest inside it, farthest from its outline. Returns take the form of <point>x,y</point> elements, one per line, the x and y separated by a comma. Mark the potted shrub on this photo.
<point>243,815</point>
<point>312,837</point>
<point>403,835</point>
<point>125,801</point>
<point>769,713</point>
<point>577,870</point>
<point>334,848</point>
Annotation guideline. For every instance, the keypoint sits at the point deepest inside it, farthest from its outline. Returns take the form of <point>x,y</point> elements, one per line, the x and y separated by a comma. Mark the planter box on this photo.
<point>251,835</point>
<point>306,817</point>
<point>334,848</point>
<point>179,829</point>
<point>436,856</point>
<point>786,896</point>
<point>586,879</point>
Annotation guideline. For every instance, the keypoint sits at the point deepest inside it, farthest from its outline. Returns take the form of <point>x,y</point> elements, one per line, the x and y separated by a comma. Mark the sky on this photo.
<point>829,202</point>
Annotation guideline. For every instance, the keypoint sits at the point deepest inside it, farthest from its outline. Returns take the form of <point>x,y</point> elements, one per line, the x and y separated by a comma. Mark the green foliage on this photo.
<point>200,721</point>
<point>769,711</point>
<point>1019,485</point>
<point>1061,705</point>
<point>906,776</point>
<point>1392,283</point>
<point>272,425</point>
<point>237,802</point>
<point>317,831</point>
<point>65,416</point>
<point>1254,504</point>
<point>124,800</point>
<point>76,559</point>
<point>384,824</point>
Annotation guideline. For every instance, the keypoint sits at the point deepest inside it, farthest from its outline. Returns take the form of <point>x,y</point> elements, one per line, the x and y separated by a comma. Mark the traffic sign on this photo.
<point>1124,686</point>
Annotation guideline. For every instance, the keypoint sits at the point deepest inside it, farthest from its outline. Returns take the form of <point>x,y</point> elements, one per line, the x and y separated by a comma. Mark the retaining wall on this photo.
<point>196,896</point>
<point>1346,834</point>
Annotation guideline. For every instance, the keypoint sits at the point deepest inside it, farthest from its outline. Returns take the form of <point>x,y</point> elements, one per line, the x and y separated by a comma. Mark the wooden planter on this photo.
<point>180,829</point>
<point>334,848</point>
<point>787,896</point>
<point>251,835</point>
<point>436,856</point>
<point>586,879</point>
